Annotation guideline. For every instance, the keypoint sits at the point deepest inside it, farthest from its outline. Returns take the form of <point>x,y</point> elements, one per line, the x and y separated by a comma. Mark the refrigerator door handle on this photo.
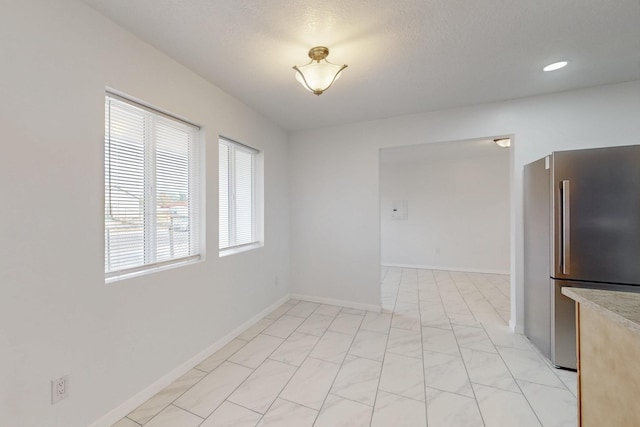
<point>566,225</point>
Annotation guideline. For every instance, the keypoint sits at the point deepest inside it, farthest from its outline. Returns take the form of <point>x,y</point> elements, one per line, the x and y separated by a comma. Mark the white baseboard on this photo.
<point>123,409</point>
<point>330,301</point>
<point>439,267</point>
<point>516,328</point>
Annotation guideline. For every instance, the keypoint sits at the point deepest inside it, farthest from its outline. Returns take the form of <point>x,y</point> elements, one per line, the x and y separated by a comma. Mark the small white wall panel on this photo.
<point>400,210</point>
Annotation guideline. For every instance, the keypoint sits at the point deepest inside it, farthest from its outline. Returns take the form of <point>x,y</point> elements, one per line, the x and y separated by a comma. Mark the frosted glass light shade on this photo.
<point>319,74</point>
<point>503,142</point>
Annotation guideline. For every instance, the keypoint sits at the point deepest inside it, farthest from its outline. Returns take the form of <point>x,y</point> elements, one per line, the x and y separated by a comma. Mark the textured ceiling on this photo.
<point>404,56</point>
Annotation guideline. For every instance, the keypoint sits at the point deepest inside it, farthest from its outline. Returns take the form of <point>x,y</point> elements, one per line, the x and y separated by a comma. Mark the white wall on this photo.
<point>57,316</point>
<point>335,231</point>
<point>458,206</point>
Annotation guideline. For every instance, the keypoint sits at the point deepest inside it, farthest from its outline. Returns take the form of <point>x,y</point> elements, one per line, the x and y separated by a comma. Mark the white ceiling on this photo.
<point>404,56</point>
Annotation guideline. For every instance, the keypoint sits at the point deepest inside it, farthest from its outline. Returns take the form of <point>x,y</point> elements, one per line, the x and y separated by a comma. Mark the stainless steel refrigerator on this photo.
<point>581,228</point>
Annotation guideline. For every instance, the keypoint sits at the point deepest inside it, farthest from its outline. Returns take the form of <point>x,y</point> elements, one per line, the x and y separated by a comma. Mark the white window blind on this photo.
<point>151,188</point>
<point>237,194</point>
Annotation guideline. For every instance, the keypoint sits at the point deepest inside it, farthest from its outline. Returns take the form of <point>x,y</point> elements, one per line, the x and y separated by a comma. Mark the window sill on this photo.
<point>238,249</point>
<point>153,269</point>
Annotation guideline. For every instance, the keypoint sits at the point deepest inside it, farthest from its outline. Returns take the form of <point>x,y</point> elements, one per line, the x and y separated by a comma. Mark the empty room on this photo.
<point>339,213</point>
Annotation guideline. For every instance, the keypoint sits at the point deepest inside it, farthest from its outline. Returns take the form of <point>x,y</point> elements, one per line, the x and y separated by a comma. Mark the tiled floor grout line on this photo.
<point>267,358</point>
<point>516,381</point>
<point>395,301</point>
<point>400,354</point>
<point>512,376</point>
<point>437,289</point>
<point>564,387</point>
<point>457,394</point>
<point>464,296</point>
<point>384,356</point>
<point>297,369</point>
<point>440,288</point>
<point>299,404</point>
<point>180,395</point>
<point>403,396</point>
<point>226,360</point>
<point>309,356</point>
<point>237,404</point>
<point>338,373</point>
<point>133,421</point>
<point>487,298</point>
<point>188,411</point>
<point>490,304</point>
<point>424,374</point>
<point>253,370</point>
<point>499,289</point>
<point>516,393</point>
<point>352,400</point>
<point>552,368</point>
<point>234,390</point>
<point>473,391</point>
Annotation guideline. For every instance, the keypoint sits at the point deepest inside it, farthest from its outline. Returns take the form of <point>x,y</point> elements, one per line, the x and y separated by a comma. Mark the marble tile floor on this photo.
<point>439,354</point>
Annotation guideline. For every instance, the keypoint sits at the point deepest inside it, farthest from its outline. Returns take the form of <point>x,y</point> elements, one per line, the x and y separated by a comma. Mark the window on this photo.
<point>237,194</point>
<point>151,189</point>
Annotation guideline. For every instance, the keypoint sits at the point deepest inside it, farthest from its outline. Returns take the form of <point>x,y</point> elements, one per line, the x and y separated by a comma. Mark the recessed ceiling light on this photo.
<point>555,66</point>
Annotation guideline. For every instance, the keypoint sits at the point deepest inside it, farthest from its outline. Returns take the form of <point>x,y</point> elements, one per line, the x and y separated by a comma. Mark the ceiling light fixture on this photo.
<point>319,74</point>
<point>555,66</point>
<point>503,142</point>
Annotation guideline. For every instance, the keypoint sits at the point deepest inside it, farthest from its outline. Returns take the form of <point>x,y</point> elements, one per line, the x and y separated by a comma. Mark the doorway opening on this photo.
<point>445,227</point>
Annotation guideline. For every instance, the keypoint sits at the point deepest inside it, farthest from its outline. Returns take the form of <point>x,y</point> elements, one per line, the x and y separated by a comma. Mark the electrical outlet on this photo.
<point>59,389</point>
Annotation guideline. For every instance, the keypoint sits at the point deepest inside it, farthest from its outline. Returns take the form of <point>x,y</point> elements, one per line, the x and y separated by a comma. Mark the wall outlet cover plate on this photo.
<point>59,389</point>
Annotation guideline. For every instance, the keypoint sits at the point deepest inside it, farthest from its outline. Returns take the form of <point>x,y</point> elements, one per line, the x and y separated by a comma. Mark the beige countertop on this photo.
<point>621,307</point>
